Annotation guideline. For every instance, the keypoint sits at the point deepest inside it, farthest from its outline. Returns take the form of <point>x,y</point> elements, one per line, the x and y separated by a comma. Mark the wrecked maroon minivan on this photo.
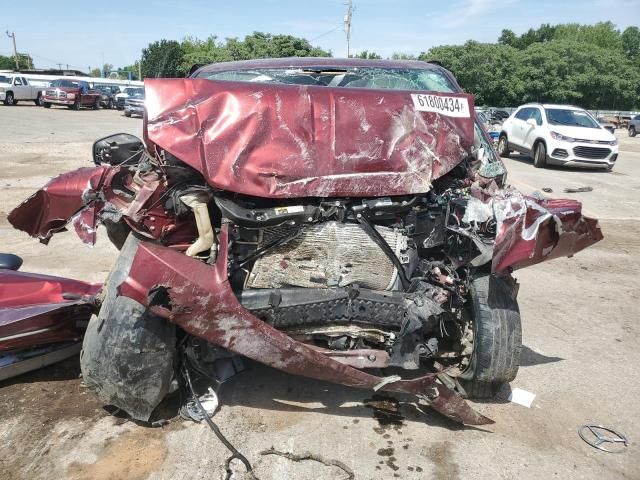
<point>344,220</point>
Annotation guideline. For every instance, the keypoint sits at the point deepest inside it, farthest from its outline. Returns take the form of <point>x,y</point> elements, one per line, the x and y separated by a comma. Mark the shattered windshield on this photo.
<point>574,118</point>
<point>356,77</point>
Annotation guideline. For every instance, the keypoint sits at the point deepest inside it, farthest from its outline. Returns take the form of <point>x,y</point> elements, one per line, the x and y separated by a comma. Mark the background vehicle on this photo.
<point>122,96</point>
<point>558,135</point>
<point>14,88</point>
<point>71,93</point>
<point>108,95</point>
<point>134,104</point>
<point>606,124</point>
<point>634,126</point>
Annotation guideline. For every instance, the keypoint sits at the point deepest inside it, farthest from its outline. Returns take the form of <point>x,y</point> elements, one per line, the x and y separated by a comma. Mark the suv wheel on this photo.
<point>632,131</point>
<point>503,146</point>
<point>9,99</point>
<point>540,155</point>
<point>497,337</point>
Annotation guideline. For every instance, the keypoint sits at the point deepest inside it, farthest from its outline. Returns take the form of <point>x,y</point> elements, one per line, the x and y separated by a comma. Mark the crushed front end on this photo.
<point>316,230</point>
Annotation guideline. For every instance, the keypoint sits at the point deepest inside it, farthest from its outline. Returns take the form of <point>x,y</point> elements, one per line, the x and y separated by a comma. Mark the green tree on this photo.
<point>367,55</point>
<point>95,72</point>
<point>631,42</point>
<point>7,63</point>
<point>403,56</point>
<point>162,59</point>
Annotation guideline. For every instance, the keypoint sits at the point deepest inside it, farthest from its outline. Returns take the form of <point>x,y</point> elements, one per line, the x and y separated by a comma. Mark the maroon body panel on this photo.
<point>203,304</point>
<point>283,141</point>
<point>41,309</point>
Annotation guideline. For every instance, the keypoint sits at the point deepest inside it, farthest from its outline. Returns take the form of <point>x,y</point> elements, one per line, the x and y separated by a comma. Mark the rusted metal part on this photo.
<point>203,304</point>
<point>283,141</point>
<point>530,230</point>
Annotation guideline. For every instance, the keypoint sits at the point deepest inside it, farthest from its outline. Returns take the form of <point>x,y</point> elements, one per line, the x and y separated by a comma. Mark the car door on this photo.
<point>518,128</point>
<point>532,127</point>
<point>19,92</point>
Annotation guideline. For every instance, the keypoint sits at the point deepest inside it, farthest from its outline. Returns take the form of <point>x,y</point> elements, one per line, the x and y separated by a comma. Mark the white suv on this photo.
<point>558,135</point>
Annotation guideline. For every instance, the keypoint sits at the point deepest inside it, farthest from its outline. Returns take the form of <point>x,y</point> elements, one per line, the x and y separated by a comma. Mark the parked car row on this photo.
<point>71,93</point>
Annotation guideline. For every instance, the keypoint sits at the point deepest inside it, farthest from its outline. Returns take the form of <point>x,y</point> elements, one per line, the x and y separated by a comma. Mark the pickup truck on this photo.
<point>128,92</point>
<point>72,94</point>
<point>14,88</point>
<point>634,126</point>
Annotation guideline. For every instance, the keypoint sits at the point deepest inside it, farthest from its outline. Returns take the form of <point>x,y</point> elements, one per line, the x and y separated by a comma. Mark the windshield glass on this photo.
<point>5,79</point>
<point>64,83</point>
<point>134,91</point>
<point>356,77</point>
<point>574,118</point>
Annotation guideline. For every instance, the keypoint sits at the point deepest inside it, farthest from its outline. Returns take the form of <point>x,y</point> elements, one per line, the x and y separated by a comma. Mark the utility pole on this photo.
<point>347,25</point>
<point>140,70</point>
<point>12,35</point>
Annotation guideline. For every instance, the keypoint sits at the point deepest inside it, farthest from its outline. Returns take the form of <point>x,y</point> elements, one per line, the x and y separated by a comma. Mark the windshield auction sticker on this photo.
<point>442,104</point>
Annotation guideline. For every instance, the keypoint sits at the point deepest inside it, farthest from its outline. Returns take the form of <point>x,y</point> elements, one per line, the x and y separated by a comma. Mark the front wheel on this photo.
<point>127,113</point>
<point>46,104</point>
<point>38,101</point>
<point>497,337</point>
<point>503,146</point>
<point>632,131</point>
<point>110,104</point>
<point>96,104</point>
<point>9,99</point>
<point>128,354</point>
<point>540,156</point>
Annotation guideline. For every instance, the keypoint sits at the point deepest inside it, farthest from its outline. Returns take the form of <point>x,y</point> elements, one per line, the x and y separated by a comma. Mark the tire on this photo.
<point>128,355</point>
<point>110,104</point>
<point>127,113</point>
<point>497,337</point>
<point>540,155</point>
<point>46,104</point>
<point>96,104</point>
<point>632,131</point>
<point>9,99</point>
<point>76,105</point>
<point>503,147</point>
<point>38,101</point>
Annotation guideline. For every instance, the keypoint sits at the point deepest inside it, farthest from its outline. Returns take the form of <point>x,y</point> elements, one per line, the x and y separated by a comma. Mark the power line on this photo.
<point>326,33</point>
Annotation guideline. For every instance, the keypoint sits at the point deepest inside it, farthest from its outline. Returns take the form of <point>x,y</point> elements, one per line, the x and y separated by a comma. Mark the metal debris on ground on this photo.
<point>578,189</point>
<point>597,436</point>
<point>313,457</point>
<point>385,409</point>
<point>209,402</point>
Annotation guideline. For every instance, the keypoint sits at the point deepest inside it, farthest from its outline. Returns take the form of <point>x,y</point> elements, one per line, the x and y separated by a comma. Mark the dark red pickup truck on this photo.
<point>71,93</point>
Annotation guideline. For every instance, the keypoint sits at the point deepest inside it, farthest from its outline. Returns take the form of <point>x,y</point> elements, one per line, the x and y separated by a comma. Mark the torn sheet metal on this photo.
<point>48,211</point>
<point>282,141</point>
<point>531,230</point>
<point>203,304</point>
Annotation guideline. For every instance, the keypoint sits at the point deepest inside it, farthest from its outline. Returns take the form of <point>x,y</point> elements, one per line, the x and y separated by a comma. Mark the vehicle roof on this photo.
<point>551,105</point>
<point>292,62</point>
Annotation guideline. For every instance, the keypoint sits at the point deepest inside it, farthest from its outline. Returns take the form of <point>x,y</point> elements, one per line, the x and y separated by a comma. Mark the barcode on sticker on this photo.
<point>442,104</point>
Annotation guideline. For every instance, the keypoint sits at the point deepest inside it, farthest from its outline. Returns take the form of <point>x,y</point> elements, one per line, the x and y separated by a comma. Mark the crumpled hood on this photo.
<point>282,141</point>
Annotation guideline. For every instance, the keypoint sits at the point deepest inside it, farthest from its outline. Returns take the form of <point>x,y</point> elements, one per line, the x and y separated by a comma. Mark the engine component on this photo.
<point>206,234</point>
<point>330,254</point>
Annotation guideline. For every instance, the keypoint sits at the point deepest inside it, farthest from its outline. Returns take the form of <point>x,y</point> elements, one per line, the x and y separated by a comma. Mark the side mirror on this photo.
<point>118,149</point>
<point>532,122</point>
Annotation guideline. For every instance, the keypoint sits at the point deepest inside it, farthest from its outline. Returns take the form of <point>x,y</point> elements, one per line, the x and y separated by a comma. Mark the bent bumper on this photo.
<point>203,304</point>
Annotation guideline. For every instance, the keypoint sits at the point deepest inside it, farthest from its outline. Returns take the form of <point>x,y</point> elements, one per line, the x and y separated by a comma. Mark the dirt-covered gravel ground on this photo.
<point>580,358</point>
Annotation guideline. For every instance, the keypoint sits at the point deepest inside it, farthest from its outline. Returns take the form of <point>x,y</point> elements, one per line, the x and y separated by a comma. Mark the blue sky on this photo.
<point>86,33</point>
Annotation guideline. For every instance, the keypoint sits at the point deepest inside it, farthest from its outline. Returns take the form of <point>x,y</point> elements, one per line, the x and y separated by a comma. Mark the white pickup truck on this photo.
<point>14,88</point>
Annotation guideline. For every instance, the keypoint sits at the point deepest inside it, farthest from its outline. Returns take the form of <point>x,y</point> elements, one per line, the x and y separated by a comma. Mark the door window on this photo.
<point>524,114</point>
<point>24,81</point>
<point>17,81</point>
<point>536,115</point>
